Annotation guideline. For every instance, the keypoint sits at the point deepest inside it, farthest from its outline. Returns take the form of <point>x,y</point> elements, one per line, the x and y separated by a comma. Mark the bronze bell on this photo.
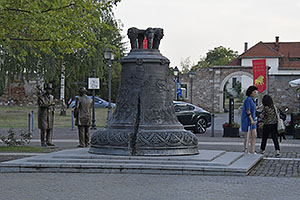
<point>144,121</point>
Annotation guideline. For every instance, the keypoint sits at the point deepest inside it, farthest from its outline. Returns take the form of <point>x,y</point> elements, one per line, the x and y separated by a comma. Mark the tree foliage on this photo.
<point>73,33</point>
<point>218,56</point>
<point>62,26</point>
<point>186,65</point>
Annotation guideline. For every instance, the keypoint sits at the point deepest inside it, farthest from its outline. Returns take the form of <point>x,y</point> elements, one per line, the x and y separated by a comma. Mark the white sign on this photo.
<point>94,83</point>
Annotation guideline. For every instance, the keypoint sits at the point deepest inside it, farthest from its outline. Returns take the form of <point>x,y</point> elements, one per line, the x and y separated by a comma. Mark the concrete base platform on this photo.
<point>207,162</point>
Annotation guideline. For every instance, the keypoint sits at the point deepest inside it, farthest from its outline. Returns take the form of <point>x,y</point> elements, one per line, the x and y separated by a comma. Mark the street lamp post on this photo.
<point>267,77</point>
<point>191,76</point>
<point>176,72</point>
<point>93,107</point>
<point>109,57</point>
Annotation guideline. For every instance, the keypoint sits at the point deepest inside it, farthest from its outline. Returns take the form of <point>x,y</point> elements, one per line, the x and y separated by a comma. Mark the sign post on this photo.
<point>179,91</point>
<point>93,85</point>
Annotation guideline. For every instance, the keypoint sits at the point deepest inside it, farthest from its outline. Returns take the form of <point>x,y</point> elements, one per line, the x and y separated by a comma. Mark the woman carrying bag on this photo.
<point>270,120</point>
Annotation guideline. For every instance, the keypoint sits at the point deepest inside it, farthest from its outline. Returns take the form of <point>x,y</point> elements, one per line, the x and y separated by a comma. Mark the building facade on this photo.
<point>283,60</point>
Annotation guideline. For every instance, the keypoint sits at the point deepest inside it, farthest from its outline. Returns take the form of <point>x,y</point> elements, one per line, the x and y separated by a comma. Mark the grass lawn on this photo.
<point>17,116</point>
<point>26,149</point>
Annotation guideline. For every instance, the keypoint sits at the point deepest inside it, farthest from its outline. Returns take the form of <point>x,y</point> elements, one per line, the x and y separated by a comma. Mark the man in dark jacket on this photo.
<point>46,115</point>
<point>82,114</point>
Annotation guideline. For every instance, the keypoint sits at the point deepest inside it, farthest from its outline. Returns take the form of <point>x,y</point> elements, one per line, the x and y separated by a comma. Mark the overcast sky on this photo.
<point>193,27</point>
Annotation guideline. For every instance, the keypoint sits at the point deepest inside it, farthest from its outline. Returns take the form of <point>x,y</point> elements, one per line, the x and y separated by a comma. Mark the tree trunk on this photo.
<point>62,89</point>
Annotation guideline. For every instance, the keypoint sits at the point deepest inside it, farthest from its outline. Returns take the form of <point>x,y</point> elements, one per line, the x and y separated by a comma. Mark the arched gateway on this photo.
<point>208,85</point>
<point>227,78</point>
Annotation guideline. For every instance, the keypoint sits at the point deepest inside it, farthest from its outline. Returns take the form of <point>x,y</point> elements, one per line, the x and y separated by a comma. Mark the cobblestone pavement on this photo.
<point>140,186</point>
<point>279,168</point>
<point>287,165</point>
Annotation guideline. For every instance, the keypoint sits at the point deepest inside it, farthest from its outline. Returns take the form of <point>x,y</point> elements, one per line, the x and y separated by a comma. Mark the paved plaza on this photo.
<point>78,186</point>
<point>272,178</point>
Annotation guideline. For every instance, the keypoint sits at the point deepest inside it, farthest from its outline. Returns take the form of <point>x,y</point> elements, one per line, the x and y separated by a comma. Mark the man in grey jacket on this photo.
<point>82,113</point>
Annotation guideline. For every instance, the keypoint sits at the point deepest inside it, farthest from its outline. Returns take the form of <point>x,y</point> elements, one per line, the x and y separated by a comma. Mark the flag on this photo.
<point>259,74</point>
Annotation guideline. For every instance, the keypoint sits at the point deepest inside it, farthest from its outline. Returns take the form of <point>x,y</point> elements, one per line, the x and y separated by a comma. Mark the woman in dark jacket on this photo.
<point>270,119</point>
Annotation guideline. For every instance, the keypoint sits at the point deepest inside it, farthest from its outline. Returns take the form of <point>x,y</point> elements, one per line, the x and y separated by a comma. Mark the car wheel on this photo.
<point>200,126</point>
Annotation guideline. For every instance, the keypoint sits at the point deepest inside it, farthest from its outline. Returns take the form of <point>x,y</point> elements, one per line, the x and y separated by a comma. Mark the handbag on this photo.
<point>280,123</point>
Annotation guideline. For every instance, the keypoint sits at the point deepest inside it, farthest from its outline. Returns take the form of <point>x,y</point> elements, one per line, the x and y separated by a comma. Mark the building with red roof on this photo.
<point>282,57</point>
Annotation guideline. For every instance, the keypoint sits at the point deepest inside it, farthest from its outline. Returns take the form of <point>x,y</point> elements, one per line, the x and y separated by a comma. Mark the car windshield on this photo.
<point>183,107</point>
<point>186,107</point>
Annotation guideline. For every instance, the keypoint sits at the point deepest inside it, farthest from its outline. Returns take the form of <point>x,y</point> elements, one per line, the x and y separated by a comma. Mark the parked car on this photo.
<point>99,103</point>
<point>192,117</point>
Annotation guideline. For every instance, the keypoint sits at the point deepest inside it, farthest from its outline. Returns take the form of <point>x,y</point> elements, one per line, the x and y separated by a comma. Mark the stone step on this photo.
<point>80,161</point>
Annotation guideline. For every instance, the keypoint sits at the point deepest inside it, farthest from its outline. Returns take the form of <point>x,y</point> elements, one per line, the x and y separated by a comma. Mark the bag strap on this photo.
<point>277,114</point>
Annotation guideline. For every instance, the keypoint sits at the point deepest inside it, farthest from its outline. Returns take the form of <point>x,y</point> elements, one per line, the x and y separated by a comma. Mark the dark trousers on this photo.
<point>84,135</point>
<point>269,129</point>
<point>46,136</point>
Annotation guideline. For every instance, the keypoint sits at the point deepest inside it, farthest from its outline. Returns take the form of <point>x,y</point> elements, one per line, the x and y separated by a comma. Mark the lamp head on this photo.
<point>191,74</point>
<point>176,71</point>
<point>108,54</point>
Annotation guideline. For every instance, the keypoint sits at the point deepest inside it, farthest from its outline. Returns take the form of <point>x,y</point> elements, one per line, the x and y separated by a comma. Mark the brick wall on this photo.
<point>22,93</point>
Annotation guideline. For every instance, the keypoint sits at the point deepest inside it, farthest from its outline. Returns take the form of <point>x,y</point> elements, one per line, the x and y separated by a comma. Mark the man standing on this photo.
<point>82,114</point>
<point>46,115</point>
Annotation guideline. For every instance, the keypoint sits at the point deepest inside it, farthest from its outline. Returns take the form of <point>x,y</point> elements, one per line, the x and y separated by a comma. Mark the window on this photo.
<point>183,107</point>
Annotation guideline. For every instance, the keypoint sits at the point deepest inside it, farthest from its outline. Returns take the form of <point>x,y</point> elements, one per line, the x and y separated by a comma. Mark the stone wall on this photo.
<point>282,94</point>
<point>208,86</point>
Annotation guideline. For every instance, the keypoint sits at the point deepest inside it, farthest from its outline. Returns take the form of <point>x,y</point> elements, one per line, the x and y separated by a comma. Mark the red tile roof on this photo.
<point>261,50</point>
<point>287,52</point>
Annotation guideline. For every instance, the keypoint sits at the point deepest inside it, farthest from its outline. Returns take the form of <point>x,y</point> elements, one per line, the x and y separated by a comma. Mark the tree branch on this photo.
<point>44,11</point>
<point>52,9</point>
<point>26,39</point>
<point>17,10</point>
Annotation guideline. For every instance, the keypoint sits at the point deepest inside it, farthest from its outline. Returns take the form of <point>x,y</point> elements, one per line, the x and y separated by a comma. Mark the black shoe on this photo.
<point>43,144</point>
<point>80,146</point>
<point>50,144</point>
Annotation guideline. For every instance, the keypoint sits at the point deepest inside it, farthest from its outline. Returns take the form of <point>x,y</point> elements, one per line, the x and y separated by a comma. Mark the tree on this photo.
<point>201,63</point>
<point>218,56</point>
<point>48,26</point>
<point>46,35</point>
<point>186,64</point>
